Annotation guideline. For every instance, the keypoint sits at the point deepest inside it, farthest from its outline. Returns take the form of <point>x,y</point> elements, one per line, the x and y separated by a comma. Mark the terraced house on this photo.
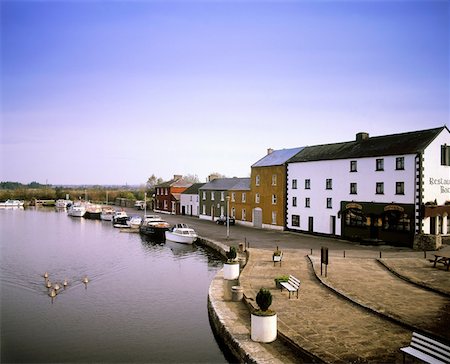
<point>393,188</point>
<point>213,198</point>
<point>267,200</point>
<point>167,195</point>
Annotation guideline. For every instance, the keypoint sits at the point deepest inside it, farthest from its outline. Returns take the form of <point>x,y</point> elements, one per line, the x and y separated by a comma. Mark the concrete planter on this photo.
<point>231,271</point>
<point>264,328</point>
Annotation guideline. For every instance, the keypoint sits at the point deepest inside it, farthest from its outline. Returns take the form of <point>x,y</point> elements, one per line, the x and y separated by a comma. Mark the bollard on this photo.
<point>380,254</point>
<point>311,251</point>
<point>425,254</point>
<point>344,253</point>
<point>237,293</point>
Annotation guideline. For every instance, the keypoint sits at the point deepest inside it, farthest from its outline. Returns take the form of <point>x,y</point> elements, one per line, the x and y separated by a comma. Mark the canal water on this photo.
<point>144,303</point>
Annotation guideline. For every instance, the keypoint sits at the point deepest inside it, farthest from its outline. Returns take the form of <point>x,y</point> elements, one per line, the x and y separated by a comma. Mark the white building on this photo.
<point>387,188</point>
<point>189,200</point>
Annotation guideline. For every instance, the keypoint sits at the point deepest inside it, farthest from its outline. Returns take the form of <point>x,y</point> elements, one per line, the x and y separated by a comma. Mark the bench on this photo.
<point>292,285</point>
<point>427,350</point>
<point>442,259</point>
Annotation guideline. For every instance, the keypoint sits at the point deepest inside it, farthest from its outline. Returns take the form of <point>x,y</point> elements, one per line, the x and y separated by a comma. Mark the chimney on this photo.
<point>212,177</point>
<point>177,176</point>
<point>362,136</point>
<point>269,151</point>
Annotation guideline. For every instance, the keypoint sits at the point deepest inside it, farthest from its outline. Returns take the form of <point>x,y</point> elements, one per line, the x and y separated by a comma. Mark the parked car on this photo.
<point>222,220</point>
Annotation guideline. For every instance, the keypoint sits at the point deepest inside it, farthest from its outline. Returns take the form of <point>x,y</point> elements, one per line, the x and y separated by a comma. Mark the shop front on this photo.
<point>378,222</point>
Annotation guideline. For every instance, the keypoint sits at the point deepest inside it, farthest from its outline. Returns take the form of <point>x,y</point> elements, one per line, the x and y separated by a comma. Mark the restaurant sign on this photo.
<point>353,205</point>
<point>394,208</point>
<point>443,183</point>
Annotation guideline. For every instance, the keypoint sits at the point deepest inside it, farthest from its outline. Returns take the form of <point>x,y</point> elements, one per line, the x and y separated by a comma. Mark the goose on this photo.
<point>85,280</point>
<point>45,275</point>
<point>57,287</point>
<point>52,293</point>
<point>48,284</point>
<point>65,283</point>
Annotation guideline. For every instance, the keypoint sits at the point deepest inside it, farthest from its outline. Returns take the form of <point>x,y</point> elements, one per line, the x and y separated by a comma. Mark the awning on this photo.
<point>435,210</point>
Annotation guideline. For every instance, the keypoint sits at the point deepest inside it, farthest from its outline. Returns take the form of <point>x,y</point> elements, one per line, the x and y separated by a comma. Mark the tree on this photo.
<point>153,181</point>
<point>192,178</point>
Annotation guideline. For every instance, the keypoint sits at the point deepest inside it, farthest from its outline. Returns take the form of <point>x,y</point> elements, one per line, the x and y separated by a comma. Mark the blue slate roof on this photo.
<point>226,184</point>
<point>277,157</point>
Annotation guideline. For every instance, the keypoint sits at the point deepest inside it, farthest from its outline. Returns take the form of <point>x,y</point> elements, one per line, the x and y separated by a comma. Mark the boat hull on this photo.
<point>182,239</point>
<point>154,233</point>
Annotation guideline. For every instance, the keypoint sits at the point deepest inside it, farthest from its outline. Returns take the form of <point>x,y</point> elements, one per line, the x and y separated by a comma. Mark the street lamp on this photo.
<point>228,217</point>
<point>145,204</point>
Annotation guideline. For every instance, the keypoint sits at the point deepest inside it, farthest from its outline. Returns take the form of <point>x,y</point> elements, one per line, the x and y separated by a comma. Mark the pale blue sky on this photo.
<point>110,92</point>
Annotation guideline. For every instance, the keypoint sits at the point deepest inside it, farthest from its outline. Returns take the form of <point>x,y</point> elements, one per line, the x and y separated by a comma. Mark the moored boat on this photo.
<point>93,211</point>
<point>62,203</point>
<point>107,213</point>
<point>12,203</point>
<point>181,233</point>
<point>120,219</point>
<point>154,227</point>
<point>77,209</point>
<point>135,222</point>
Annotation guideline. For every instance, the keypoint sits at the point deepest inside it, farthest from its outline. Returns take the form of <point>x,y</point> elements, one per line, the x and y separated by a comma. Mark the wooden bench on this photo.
<point>427,350</point>
<point>442,259</point>
<point>292,285</point>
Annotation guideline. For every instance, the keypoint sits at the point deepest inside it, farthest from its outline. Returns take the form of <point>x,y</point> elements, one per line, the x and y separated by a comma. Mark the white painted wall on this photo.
<point>366,178</point>
<point>190,203</point>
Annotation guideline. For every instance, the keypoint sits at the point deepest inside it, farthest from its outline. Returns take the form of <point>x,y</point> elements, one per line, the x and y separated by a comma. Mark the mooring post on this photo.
<point>344,253</point>
<point>380,254</point>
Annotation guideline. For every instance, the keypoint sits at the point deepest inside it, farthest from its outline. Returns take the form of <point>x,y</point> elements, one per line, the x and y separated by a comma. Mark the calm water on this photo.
<point>145,302</point>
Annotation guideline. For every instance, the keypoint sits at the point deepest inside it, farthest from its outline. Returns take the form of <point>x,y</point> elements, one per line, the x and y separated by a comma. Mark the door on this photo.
<point>183,210</point>
<point>257,217</point>
<point>310,224</point>
<point>333,225</point>
<point>373,226</point>
<point>433,225</point>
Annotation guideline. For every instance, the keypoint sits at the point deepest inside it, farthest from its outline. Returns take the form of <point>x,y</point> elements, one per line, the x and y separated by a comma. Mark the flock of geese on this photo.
<point>53,289</point>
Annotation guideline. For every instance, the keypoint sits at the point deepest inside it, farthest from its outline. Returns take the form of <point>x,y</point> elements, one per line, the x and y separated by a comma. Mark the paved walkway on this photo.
<point>361,313</point>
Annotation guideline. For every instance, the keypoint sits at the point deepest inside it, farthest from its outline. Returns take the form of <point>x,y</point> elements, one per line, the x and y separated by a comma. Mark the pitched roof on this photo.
<point>193,190</point>
<point>277,157</point>
<point>225,184</point>
<point>394,144</point>
<point>176,182</point>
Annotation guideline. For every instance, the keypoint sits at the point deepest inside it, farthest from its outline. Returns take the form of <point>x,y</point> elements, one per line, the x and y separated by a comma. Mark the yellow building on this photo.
<point>267,196</point>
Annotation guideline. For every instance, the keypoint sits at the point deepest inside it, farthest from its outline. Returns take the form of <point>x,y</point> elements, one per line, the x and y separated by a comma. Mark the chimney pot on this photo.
<point>362,136</point>
<point>269,151</point>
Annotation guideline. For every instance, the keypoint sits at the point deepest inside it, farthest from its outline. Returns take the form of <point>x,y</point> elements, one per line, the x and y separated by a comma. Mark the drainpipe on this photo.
<point>419,197</point>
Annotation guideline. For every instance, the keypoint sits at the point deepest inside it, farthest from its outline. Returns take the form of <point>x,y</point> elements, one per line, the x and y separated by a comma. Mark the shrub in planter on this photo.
<point>231,267</point>
<point>279,279</point>
<point>264,321</point>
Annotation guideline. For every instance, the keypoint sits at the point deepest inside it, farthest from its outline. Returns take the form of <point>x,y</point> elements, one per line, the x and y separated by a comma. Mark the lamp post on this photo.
<point>145,204</point>
<point>228,217</point>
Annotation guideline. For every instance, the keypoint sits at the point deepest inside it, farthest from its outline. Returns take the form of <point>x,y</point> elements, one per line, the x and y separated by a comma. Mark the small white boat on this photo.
<point>62,204</point>
<point>107,213</point>
<point>120,219</point>
<point>135,222</point>
<point>78,209</point>
<point>93,211</point>
<point>11,203</point>
<point>181,233</point>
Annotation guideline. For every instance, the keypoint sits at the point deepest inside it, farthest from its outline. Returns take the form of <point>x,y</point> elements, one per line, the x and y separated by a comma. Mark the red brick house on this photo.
<point>167,195</point>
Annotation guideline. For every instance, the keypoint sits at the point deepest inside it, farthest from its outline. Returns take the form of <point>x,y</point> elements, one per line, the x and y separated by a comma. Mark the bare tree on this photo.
<point>193,178</point>
<point>153,181</point>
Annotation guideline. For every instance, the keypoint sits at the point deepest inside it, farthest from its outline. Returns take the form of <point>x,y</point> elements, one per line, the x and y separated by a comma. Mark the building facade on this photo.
<point>167,195</point>
<point>389,188</point>
<point>213,197</point>
<point>267,198</point>
<point>189,200</point>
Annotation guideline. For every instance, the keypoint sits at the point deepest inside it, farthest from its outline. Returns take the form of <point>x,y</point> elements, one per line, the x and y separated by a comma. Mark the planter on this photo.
<point>264,328</point>
<point>231,271</point>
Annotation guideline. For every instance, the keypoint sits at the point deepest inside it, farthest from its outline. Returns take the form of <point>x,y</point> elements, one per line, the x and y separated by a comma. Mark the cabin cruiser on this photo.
<point>93,211</point>
<point>78,209</point>
<point>181,233</point>
<point>135,222</point>
<point>62,204</point>
<point>11,203</point>
<point>154,227</point>
<point>107,213</point>
<point>120,219</point>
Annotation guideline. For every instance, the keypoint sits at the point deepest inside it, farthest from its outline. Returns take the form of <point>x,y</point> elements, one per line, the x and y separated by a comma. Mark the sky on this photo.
<point>111,92</point>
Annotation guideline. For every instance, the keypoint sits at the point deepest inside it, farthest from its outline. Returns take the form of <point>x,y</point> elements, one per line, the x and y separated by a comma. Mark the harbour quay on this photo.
<point>364,310</point>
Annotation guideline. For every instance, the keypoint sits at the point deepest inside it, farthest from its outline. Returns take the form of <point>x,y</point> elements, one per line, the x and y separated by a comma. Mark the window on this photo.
<point>244,216</point>
<point>353,188</point>
<point>399,188</point>
<point>274,179</point>
<point>307,184</point>
<point>353,166</point>
<point>274,217</point>
<point>394,222</point>
<point>380,164</point>
<point>204,209</point>
<point>274,199</point>
<point>329,184</point>
<point>244,197</point>
<point>222,196</point>
<point>307,202</point>
<point>399,163</point>
<point>233,196</point>
<point>233,212</point>
<point>257,180</point>
<point>167,191</point>
<point>353,219</point>
<point>204,195</point>
<point>257,198</point>
<point>445,155</point>
<point>190,198</point>
<point>165,204</point>
<point>294,184</point>
<point>329,203</point>
<point>295,220</point>
<point>294,201</point>
<point>380,188</point>
<point>212,195</point>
